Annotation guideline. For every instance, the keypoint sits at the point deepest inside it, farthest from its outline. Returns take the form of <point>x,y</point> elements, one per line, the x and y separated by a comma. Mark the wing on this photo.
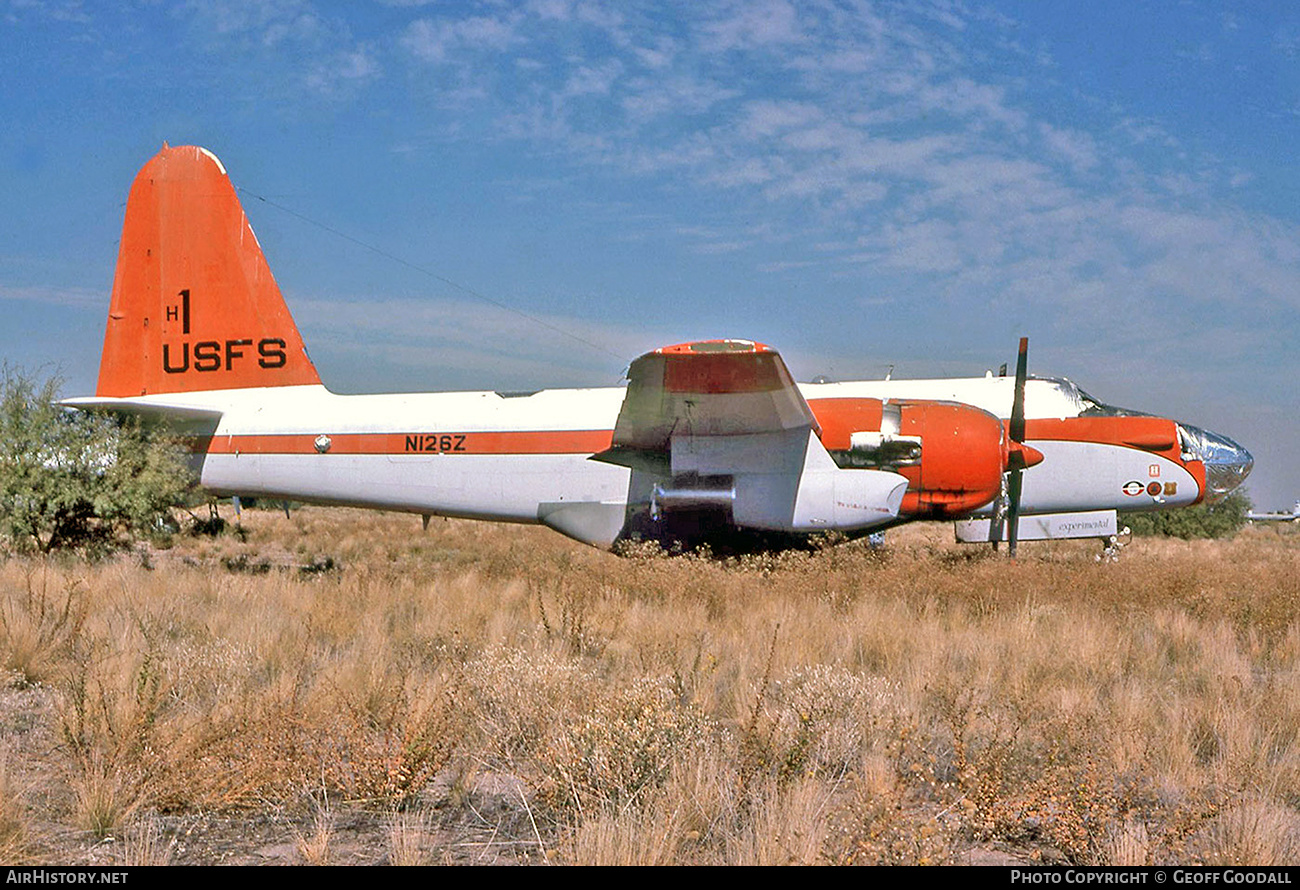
<point>721,423</point>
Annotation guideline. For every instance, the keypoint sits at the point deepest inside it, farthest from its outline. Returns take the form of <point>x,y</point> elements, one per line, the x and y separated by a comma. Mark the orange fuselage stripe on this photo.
<point>1112,431</point>
<point>509,442</point>
<point>1155,435</point>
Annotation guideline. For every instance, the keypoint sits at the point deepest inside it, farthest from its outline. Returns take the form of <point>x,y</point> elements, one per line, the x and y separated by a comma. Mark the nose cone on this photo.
<point>1227,464</point>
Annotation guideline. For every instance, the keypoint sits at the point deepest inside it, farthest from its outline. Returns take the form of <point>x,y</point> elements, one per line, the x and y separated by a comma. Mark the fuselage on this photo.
<point>505,456</point>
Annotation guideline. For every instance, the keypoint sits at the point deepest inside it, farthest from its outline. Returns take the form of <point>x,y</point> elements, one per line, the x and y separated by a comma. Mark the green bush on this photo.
<point>79,480</point>
<point>1202,521</point>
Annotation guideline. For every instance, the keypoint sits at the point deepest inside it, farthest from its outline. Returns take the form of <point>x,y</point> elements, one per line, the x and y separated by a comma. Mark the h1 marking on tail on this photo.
<point>181,312</point>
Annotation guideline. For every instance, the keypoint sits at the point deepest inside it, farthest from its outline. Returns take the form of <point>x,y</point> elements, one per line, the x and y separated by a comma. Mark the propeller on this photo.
<point>1020,457</point>
<point>1016,457</point>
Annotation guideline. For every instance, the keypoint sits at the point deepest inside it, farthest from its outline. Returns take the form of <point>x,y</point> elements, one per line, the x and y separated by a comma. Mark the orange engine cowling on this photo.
<point>953,455</point>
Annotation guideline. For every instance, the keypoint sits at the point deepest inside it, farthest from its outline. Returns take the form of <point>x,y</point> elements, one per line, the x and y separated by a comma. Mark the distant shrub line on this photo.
<point>1220,520</point>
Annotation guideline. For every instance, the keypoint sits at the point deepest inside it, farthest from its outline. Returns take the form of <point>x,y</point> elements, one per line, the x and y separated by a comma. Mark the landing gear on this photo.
<point>1113,544</point>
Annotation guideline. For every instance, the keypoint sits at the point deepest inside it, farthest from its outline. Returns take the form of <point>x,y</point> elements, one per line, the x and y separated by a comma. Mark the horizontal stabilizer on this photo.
<point>151,411</point>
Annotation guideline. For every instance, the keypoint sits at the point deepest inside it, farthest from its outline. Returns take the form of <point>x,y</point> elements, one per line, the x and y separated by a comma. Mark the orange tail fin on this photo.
<point>194,304</point>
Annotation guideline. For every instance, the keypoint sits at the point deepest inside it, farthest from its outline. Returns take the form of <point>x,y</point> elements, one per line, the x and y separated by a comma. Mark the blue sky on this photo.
<point>859,184</point>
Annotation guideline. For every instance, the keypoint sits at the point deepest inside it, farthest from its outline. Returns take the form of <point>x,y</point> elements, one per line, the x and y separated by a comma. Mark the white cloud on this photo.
<point>767,117</point>
<point>966,98</point>
<point>554,10</point>
<point>471,343</point>
<point>593,80</point>
<point>659,56</point>
<point>56,296</point>
<point>672,95</point>
<point>266,23</point>
<point>1077,148</point>
<point>750,171</point>
<point>73,11</point>
<point>747,24</point>
<point>348,68</point>
<point>712,248</point>
<point>437,41</point>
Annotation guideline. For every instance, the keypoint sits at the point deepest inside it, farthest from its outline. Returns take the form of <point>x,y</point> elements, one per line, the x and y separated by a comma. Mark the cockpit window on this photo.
<point>1090,407</point>
<point>1082,403</point>
<point>1067,399</point>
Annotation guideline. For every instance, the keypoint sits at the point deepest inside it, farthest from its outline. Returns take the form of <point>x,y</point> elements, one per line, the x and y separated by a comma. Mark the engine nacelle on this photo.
<point>846,500</point>
<point>780,481</point>
<point>952,454</point>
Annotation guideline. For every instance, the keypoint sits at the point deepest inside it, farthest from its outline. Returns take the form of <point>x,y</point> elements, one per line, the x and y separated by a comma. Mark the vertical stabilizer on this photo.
<point>194,304</point>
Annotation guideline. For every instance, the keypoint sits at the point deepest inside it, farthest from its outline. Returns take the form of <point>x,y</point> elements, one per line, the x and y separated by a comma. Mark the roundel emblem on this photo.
<point>1153,489</point>
<point>1133,488</point>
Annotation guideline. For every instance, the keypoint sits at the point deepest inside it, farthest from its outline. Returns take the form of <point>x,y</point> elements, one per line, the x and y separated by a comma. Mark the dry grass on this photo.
<point>483,693</point>
<point>13,818</point>
<point>145,845</point>
<point>314,847</point>
<point>409,838</point>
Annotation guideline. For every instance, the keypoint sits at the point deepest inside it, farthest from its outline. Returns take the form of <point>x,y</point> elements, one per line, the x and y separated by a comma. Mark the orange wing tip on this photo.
<point>705,347</point>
